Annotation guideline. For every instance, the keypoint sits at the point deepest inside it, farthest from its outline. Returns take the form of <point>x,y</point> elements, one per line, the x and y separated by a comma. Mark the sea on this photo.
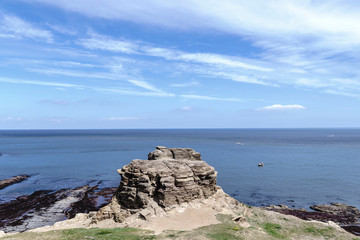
<point>302,167</point>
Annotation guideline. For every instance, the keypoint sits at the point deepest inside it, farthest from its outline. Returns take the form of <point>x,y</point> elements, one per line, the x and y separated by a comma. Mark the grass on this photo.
<point>223,236</point>
<point>264,226</point>
<point>328,233</point>
<point>273,229</point>
<point>93,234</point>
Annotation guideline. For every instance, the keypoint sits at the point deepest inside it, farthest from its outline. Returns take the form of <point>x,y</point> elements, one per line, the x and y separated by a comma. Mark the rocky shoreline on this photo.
<point>10,181</point>
<point>346,216</point>
<point>46,207</point>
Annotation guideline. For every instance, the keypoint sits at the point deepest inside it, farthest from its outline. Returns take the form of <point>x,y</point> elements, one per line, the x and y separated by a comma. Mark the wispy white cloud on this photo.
<point>72,52</point>
<point>207,64</point>
<point>40,83</point>
<point>105,43</point>
<point>282,107</point>
<point>134,93</point>
<point>74,73</point>
<point>15,27</point>
<point>316,39</point>
<point>100,75</point>
<point>87,87</point>
<point>219,60</point>
<point>145,85</point>
<point>342,93</point>
<point>72,64</point>
<point>62,29</point>
<point>101,42</point>
<point>185,84</point>
<point>294,18</point>
<point>201,97</point>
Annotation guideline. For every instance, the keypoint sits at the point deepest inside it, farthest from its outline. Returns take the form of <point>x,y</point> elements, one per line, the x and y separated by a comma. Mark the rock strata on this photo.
<point>174,153</point>
<point>10,181</point>
<point>170,177</point>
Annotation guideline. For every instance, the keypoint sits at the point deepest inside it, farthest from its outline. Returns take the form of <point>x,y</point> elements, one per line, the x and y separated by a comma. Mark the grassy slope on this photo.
<point>264,225</point>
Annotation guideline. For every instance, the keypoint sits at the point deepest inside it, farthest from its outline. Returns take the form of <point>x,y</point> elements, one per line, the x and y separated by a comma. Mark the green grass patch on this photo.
<point>106,234</point>
<point>93,233</point>
<point>223,236</point>
<point>325,232</point>
<point>273,229</point>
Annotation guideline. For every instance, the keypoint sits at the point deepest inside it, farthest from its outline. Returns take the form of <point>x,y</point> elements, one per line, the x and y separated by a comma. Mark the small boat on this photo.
<point>260,164</point>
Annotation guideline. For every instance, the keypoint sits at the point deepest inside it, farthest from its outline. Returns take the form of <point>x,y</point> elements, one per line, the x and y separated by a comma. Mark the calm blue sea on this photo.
<point>302,166</point>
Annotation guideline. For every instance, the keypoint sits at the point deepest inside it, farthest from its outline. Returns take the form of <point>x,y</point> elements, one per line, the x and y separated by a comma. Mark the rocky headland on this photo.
<point>46,207</point>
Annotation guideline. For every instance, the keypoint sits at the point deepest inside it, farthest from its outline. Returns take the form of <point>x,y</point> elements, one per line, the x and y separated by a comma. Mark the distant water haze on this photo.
<point>302,167</point>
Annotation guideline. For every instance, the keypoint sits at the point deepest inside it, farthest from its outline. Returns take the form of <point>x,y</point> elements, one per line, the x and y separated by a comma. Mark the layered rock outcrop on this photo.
<point>173,176</point>
<point>170,177</point>
<point>174,153</point>
<point>10,181</point>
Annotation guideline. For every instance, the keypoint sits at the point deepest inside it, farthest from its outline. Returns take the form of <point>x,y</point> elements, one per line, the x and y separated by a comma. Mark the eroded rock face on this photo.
<point>169,178</point>
<point>174,153</point>
<point>173,176</point>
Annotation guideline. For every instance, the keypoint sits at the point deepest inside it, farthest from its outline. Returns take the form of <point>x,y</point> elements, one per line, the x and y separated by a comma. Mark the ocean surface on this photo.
<point>302,167</point>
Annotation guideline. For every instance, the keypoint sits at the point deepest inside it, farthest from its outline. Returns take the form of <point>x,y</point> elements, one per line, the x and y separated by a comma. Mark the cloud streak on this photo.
<point>87,87</point>
<point>210,98</point>
<point>15,27</point>
<point>276,107</point>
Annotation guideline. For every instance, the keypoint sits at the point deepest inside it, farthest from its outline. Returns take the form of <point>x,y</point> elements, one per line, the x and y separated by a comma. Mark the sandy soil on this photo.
<point>190,219</point>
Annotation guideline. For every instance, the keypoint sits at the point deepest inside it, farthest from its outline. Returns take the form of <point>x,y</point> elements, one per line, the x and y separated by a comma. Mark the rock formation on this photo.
<point>173,176</point>
<point>10,181</point>
<point>170,177</point>
<point>174,153</point>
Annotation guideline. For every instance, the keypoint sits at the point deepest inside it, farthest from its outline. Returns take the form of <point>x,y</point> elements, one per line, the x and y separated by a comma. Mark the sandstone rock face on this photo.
<point>169,178</point>
<point>174,153</point>
<point>173,176</point>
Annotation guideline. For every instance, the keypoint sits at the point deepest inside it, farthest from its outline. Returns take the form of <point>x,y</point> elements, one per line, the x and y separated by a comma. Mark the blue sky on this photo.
<point>179,64</point>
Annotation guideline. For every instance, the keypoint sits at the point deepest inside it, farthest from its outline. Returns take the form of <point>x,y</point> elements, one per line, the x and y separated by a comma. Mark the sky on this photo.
<point>118,64</point>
